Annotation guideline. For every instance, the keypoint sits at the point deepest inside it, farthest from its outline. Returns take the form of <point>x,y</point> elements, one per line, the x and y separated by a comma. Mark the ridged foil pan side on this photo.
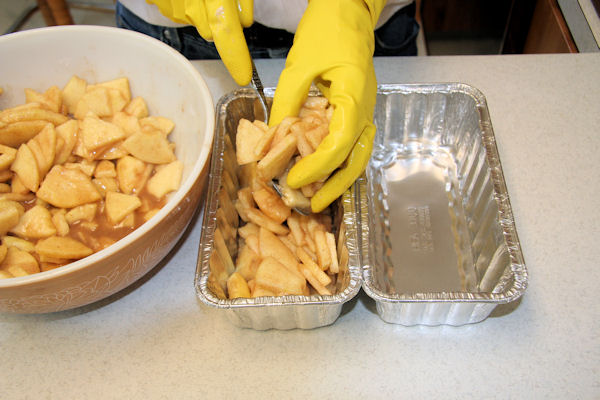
<point>285,312</point>
<point>431,137</point>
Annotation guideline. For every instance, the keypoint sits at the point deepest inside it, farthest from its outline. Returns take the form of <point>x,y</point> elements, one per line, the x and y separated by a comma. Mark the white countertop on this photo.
<point>156,340</point>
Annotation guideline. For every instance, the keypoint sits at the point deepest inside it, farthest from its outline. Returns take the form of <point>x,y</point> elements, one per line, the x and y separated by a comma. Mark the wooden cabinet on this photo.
<point>464,18</point>
<point>517,26</point>
<point>548,31</point>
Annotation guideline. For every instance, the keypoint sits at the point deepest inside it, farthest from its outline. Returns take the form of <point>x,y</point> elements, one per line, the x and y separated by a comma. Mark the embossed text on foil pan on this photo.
<point>438,239</point>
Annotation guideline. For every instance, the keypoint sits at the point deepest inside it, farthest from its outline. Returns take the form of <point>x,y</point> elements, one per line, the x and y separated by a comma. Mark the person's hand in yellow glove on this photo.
<point>333,47</point>
<point>221,21</point>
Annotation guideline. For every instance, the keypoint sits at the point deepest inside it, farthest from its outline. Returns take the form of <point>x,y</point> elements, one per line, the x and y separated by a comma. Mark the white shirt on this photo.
<point>280,14</point>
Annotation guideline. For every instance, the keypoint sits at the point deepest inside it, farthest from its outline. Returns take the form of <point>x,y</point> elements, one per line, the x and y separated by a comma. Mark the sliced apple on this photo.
<point>7,156</point>
<point>105,185</point>
<point>166,179</point>
<point>17,133</point>
<point>105,169</point>
<point>66,137</point>
<point>150,147</point>
<point>62,247</point>
<point>43,147</point>
<point>19,243</point>
<point>119,205</point>
<point>10,213</point>
<point>25,166</point>
<point>165,125</point>
<point>129,123</point>
<point>96,133</point>
<point>36,223</point>
<point>121,85</point>
<point>73,92</point>
<point>19,263</point>
<point>96,101</point>
<point>132,174</point>
<point>248,137</point>
<point>67,188</point>
<point>137,107</point>
<point>85,212</point>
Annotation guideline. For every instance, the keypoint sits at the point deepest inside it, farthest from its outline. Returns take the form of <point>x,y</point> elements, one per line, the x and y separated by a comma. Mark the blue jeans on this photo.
<point>397,37</point>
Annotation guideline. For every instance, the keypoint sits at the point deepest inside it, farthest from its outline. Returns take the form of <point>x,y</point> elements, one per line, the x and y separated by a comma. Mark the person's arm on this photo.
<point>333,47</point>
<point>221,21</point>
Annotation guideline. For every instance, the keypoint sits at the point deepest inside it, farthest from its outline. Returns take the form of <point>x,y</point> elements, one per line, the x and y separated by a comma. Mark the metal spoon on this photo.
<point>292,197</point>
<point>260,90</point>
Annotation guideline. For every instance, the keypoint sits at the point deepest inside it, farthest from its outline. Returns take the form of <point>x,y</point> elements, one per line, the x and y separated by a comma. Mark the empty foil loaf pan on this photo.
<point>429,228</point>
<point>438,239</point>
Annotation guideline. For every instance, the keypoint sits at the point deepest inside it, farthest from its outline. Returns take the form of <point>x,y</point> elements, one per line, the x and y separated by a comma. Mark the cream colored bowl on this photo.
<point>172,88</point>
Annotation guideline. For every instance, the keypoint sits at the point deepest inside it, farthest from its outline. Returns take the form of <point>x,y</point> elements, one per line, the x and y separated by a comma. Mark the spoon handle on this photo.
<point>258,86</point>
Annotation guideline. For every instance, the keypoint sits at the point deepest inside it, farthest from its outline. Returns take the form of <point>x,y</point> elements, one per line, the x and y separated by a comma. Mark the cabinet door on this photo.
<point>549,32</point>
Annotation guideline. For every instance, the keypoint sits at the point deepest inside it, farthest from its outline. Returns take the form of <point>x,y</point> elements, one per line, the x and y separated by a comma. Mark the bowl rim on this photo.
<point>176,197</point>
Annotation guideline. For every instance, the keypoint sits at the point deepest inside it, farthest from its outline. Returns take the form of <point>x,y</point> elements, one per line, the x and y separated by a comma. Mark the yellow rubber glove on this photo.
<point>333,47</point>
<point>221,21</point>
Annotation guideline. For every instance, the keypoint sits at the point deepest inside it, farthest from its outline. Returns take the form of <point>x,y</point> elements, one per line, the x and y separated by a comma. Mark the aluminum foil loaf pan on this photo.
<point>429,228</point>
<point>438,238</point>
<point>261,313</point>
